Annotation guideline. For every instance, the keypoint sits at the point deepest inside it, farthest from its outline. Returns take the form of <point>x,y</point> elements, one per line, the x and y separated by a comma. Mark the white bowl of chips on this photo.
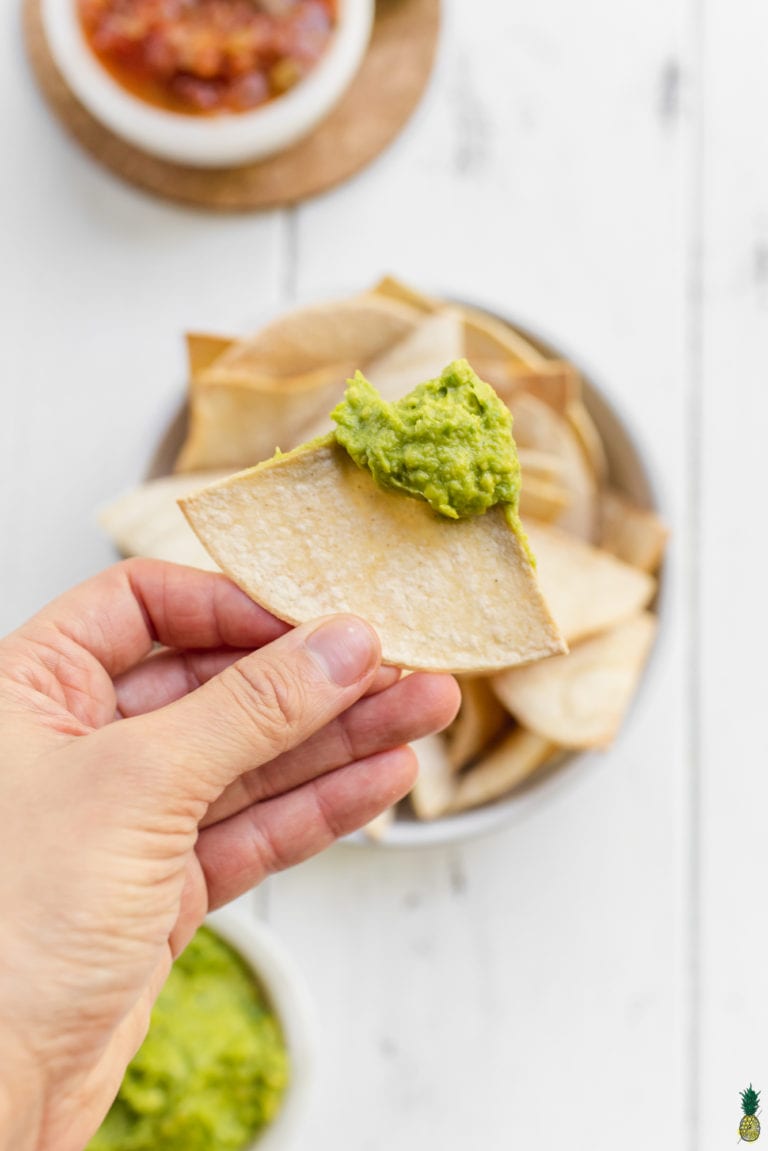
<point>588,504</point>
<point>258,113</point>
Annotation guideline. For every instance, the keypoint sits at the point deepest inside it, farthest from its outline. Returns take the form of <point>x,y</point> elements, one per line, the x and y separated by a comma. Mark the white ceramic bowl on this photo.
<point>209,141</point>
<point>287,994</point>
<point>631,471</point>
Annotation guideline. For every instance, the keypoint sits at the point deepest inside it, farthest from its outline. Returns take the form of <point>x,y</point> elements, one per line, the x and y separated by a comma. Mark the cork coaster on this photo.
<point>381,98</point>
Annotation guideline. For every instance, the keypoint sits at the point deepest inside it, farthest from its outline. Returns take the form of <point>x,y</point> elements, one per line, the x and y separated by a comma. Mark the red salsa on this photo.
<point>207,56</point>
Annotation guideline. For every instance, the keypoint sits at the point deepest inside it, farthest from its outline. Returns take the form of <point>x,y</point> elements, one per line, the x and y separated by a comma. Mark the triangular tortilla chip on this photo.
<point>437,341</point>
<point>422,355</point>
<point>543,500</point>
<point>148,521</point>
<point>542,465</point>
<point>579,700</point>
<point>433,791</point>
<point>554,382</point>
<point>588,590</point>
<point>537,426</point>
<point>508,765</point>
<point>590,439</point>
<point>394,289</point>
<point>235,423</point>
<point>203,351</point>
<point>352,330</point>
<point>486,338</point>
<point>266,391</point>
<point>309,534</point>
<point>634,534</point>
<point>480,719</point>
<point>377,828</point>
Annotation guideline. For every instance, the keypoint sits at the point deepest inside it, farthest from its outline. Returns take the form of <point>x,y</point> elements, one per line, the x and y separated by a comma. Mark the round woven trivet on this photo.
<point>378,103</point>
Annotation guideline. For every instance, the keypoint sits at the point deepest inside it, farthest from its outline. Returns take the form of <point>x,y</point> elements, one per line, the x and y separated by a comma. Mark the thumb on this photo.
<point>264,704</point>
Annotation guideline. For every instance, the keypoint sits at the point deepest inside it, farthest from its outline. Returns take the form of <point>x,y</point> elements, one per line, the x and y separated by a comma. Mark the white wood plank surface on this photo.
<point>731,616</point>
<point>533,984</point>
<point>98,284</point>
<point>591,974</point>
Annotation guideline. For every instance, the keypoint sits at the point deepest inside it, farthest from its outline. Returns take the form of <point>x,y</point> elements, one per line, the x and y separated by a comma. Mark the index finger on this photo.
<point>120,614</point>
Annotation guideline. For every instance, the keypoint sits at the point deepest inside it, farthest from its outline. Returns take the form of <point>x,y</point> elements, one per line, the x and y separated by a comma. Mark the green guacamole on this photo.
<point>449,442</point>
<point>213,1068</point>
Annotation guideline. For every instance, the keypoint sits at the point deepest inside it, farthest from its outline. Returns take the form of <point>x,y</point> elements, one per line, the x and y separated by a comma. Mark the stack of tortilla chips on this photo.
<point>313,534</point>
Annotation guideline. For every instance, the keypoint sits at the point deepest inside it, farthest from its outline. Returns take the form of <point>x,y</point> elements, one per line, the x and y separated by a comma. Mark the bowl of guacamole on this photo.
<point>226,1062</point>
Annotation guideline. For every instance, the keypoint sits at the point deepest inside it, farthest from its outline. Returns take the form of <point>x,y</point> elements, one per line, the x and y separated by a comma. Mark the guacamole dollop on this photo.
<point>213,1068</point>
<point>449,442</point>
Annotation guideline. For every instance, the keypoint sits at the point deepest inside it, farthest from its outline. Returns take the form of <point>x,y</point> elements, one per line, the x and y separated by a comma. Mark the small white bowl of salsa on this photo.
<point>213,83</point>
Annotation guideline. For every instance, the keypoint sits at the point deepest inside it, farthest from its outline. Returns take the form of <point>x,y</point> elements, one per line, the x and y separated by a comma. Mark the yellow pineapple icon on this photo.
<point>749,1128</point>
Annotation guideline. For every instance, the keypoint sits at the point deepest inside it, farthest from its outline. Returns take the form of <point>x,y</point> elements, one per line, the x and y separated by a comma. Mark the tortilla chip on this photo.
<point>537,426</point>
<point>433,791</point>
<point>148,521</point>
<point>554,382</point>
<point>265,391</point>
<point>310,534</point>
<point>634,534</point>
<point>543,500</point>
<point>486,338</point>
<point>542,465</point>
<point>508,765</point>
<point>376,829</point>
<point>235,423</point>
<point>435,342</point>
<point>480,719</point>
<point>203,351</point>
<point>344,331</point>
<point>588,590</point>
<point>394,289</point>
<point>438,340</point>
<point>590,439</point>
<point>579,700</point>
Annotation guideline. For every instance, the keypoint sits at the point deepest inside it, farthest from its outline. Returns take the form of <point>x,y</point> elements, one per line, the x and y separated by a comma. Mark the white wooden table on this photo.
<point>593,975</point>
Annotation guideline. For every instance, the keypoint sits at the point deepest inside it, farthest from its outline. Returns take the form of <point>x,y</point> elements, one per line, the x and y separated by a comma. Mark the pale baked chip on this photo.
<point>587,589</point>
<point>579,700</point>
<point>249,396</point>
<point>481,717</point>
<point>148,521</point>
<point>422,355</point>
<point>590,439</point>
<point>540,464</point>
<point>537,426</point>
<point>203,350</point>
<point>310,534</point>
<point>437,340</point>
<point>518,756</point>
<point>395,289</point>
<point>542,499</point>
<point>353,330</point>
<point>433,792</point>
<point>235,423</point>
<point>377,828</point>
<point>486,338</point>
<point>635,535</point>
<point>554,382</point>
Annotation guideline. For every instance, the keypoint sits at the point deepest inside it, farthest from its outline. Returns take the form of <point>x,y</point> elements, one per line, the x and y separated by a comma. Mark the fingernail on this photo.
<point>345,649</point>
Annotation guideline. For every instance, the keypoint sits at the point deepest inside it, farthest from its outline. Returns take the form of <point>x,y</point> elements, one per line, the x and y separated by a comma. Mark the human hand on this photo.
<point>139,788</point>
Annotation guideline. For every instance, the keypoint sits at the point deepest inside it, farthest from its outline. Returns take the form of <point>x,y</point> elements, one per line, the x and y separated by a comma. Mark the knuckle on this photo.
<point>272,702</point>
<point>266,847</point>
<point>332,826</point>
